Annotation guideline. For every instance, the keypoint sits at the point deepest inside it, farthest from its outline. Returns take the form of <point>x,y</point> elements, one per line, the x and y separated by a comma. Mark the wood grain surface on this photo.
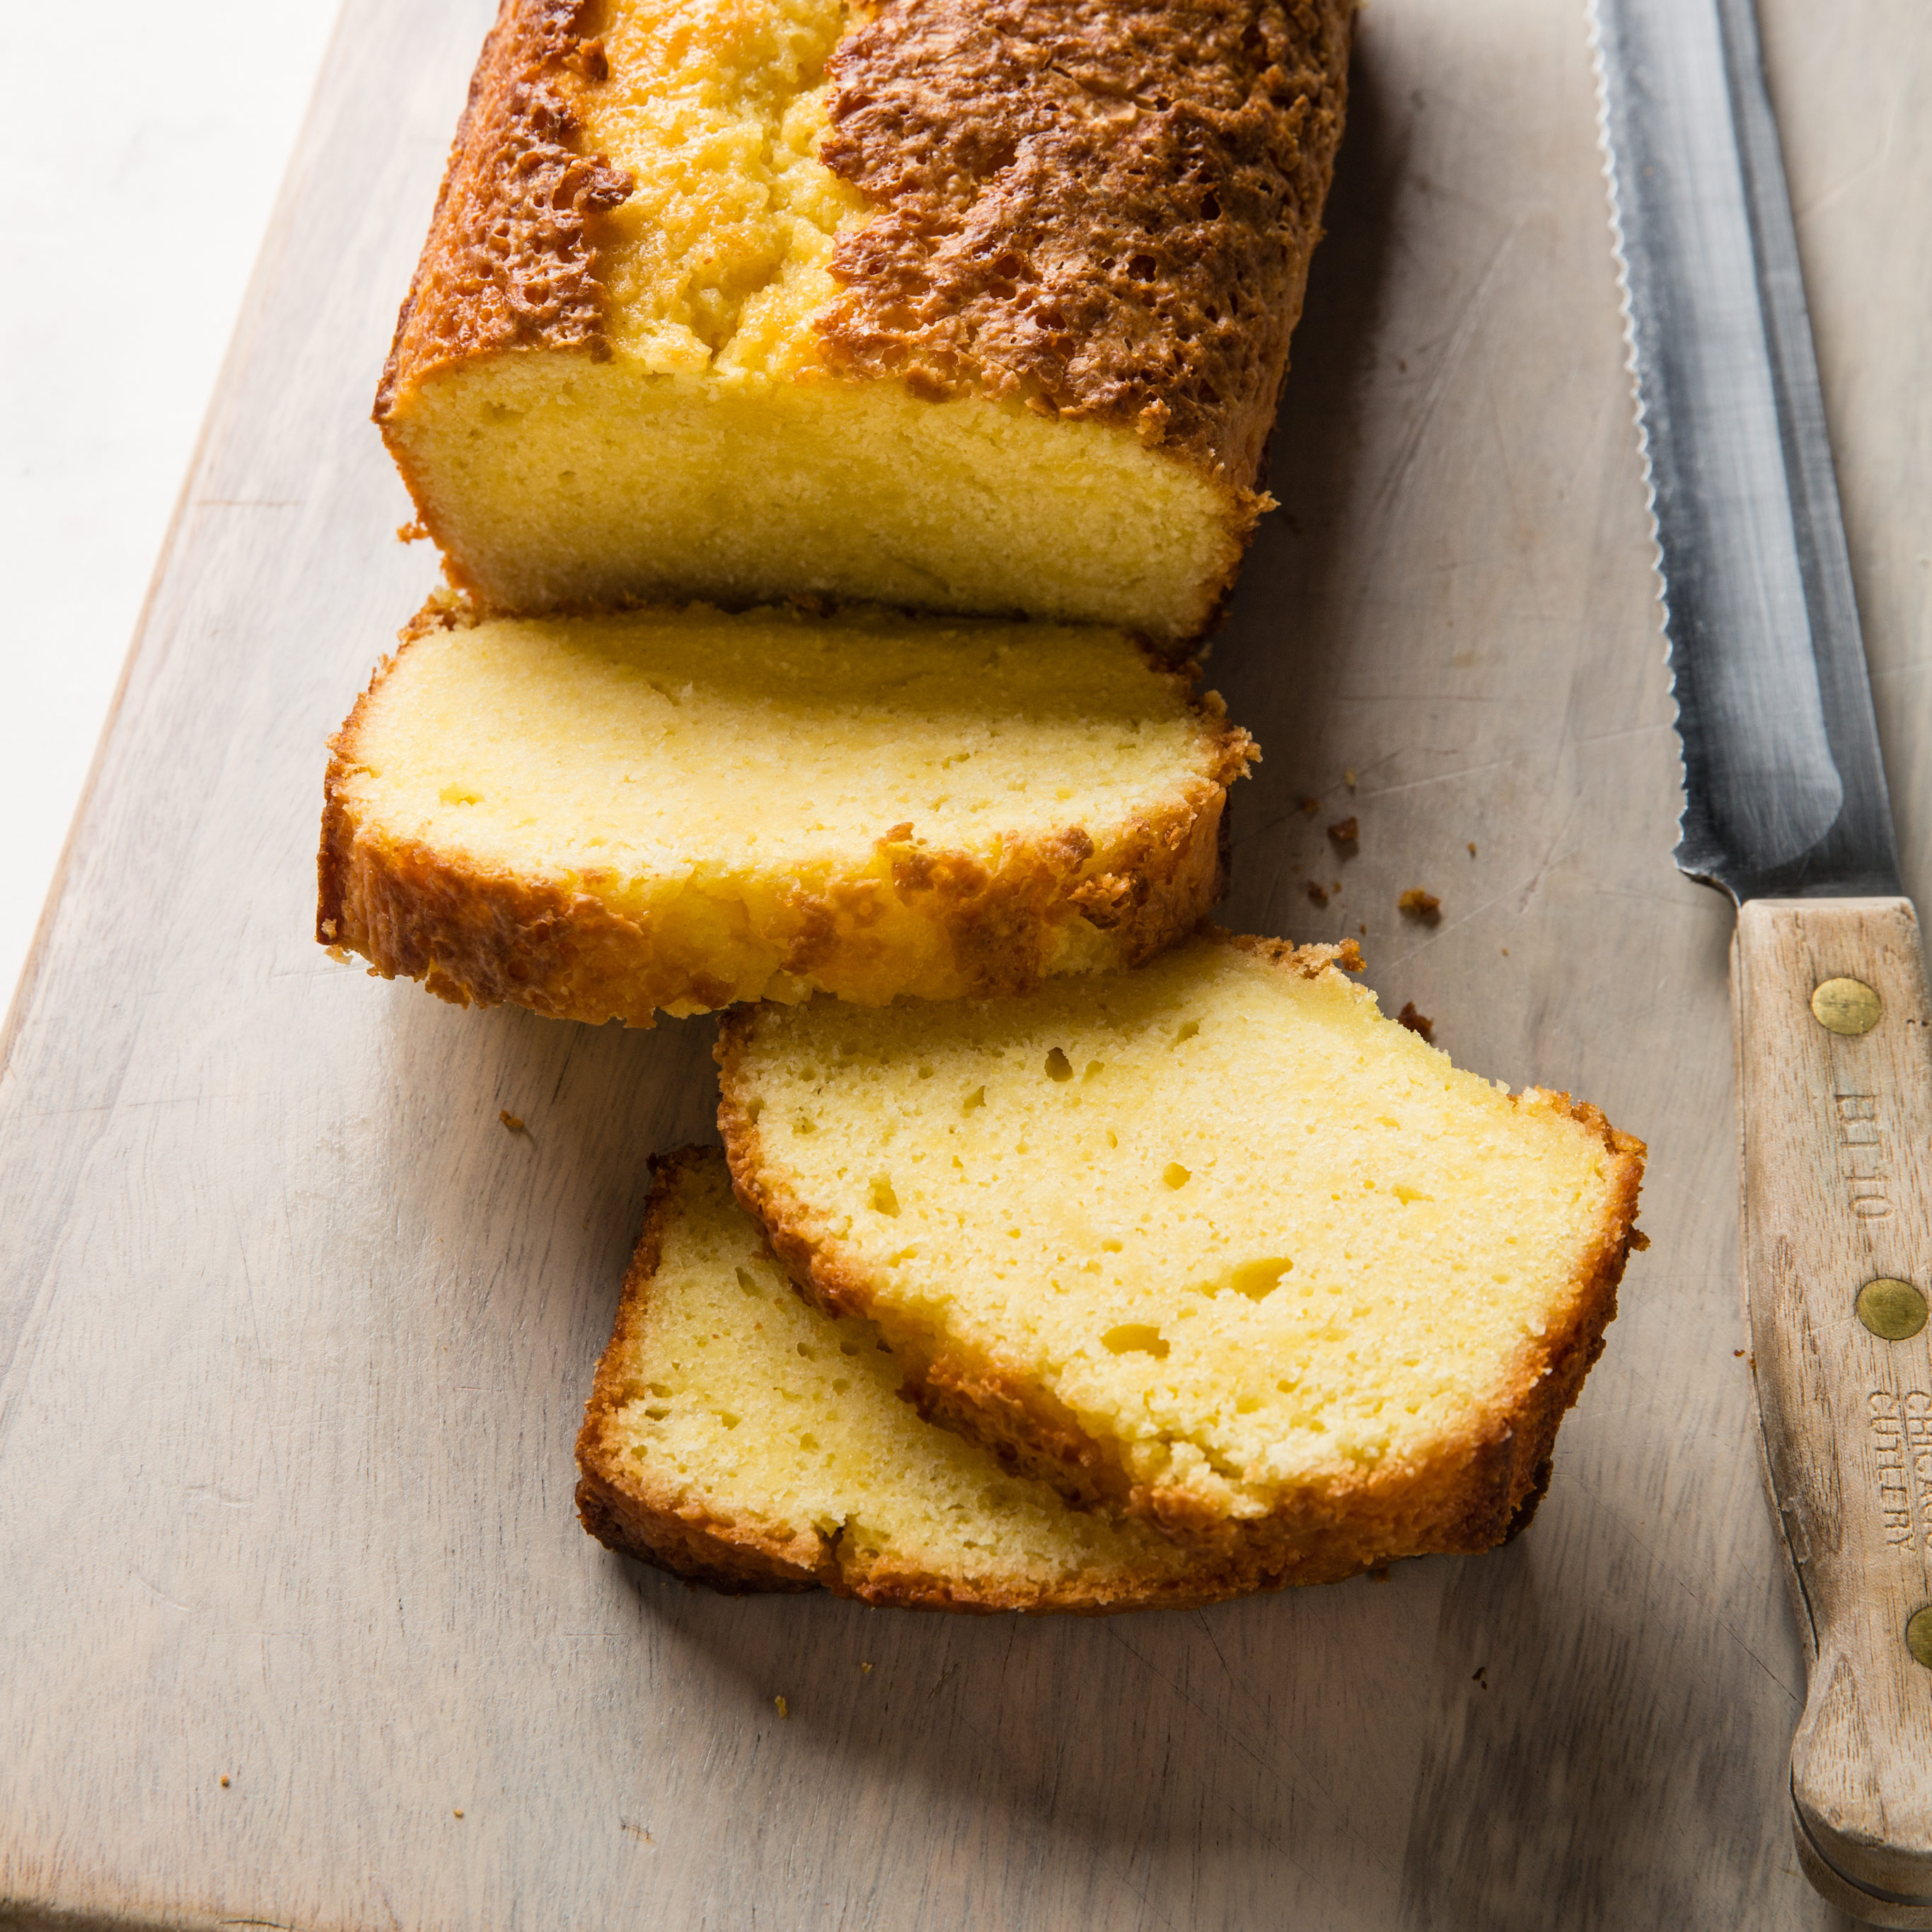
<point>294,1337</point>
<point>1837,1193</point>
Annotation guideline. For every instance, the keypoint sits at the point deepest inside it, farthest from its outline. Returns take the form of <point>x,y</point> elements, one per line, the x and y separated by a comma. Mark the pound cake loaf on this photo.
<point>738,1438</point>
<point>1212,1244</point>
<point>666,811</point>
<point>947,305</point>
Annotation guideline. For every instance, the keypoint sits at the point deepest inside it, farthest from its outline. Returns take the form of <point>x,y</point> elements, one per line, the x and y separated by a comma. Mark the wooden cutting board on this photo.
<point>294,1336</point>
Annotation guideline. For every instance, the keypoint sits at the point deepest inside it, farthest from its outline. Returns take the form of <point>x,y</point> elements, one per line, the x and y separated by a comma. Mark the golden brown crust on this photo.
<point>474,935</point>
<point>1309,962</point>
<point>705,1542</point>
<point>1105,208</point>
<point>511,257</point>
<point>1552,1378</point>
<point>725,1556</point>
<point>624,1511</point>
<point>1484,1495</point>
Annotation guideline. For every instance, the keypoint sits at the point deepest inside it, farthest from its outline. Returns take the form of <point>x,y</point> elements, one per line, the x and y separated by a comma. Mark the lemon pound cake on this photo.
<point>667,811</point>
<point>738,1438</point>
<point>948,306</point>
<point>1212,1243</point>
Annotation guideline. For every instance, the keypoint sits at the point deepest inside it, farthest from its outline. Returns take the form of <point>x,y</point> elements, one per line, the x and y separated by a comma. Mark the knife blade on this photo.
<point>1786,809</point>
<point>1785,786</point>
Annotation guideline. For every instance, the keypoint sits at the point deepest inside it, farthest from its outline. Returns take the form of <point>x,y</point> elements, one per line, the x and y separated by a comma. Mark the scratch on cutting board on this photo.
<point>1825,196</point>
<point>211,1493</point>
<point>1364,794</point>
<point>1269,1839</point>
<point>1663,895</point>
<point>1522,894</point>
<point>1650,730</point>
<point>1301,1782</point>
<point>1549,858</point>
<point>1795,1695</point>
<point>1120,1878</point>
<point>117,1106</point>
<point>1438,777</point>
<point>1207,1631</point>
<point>1525,520</point>
<point>160,1596</point>
<point>1440,382</point>
<point>1386,964</point>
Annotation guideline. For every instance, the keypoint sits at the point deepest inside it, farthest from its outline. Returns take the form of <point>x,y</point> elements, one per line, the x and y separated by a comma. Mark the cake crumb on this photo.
<point>457,1812</point>
<point>1416,1022</point>
<point>414,532</point>
<point>224,1775</point>
<point>1310,806</point>
<point>1346,831</point>
<point>1481,1676</point>
<point>1737,1354</point>
<point>1363,928</point>
<point>784,1709</point>
<point>590,60</point>
<point>1316,896</point>
<point>510,1121</point>
<point>1416,904</point>
<point>1349,776</point>
<point>867,1667</point>
<point>1472,848</point>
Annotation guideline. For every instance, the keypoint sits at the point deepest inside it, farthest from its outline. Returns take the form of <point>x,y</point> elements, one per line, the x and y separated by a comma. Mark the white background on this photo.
<point>142,150</point>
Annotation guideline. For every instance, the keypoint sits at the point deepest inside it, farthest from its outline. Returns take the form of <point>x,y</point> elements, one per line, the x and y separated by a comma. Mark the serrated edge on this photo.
<point>1600,71</point>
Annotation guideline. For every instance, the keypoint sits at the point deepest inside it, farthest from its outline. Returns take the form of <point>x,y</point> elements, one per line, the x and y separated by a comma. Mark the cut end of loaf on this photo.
<point>786,302</point>
<point>559,482</point>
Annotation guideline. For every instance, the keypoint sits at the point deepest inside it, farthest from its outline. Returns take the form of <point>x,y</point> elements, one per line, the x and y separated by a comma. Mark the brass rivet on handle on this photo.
<point>1895,1311</point>
<point>1919,1636</point>
<point>1846,1006</point>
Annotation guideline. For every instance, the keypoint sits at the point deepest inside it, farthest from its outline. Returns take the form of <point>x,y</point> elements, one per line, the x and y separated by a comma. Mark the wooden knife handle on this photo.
<point>1835,1109</point>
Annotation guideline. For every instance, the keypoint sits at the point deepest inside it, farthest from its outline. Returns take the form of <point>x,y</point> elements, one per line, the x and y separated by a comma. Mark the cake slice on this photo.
<point>738,1438</point>
<point>666,811</point>
<point>1211,1243</point>
<point>949,306</point>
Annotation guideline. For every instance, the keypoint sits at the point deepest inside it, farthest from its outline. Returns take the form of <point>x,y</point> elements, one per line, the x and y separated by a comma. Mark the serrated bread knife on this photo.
<point>1786,809</point>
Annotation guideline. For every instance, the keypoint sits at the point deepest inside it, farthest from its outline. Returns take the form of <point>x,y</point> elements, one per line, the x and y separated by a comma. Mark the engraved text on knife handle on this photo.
<point>1834,1060</point>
